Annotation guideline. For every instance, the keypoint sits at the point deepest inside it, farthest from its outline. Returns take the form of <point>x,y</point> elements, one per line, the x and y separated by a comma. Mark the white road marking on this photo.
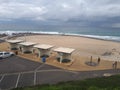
<point>34,78</point>
<point>49,70</point>
<point>17,73</point>
<point>62,70</point>
<point>17,80</point>
<point>39,67</point>
<point>57,70</point>
<point>2,78</point>
<point>75,72</point>
<point>40,71</point>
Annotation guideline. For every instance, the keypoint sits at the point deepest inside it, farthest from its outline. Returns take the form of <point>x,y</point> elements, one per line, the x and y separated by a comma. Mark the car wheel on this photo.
<point>12,54</point>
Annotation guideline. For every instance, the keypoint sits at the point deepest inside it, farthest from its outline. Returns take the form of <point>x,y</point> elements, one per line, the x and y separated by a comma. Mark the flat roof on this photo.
<point>64,50</point>
<point>43,46</point>
<point>27,43</point>
<point>14,41</point>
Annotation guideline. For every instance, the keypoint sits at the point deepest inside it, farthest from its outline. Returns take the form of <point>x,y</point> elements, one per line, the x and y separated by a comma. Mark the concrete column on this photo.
<point>39,53</point>
<point>23,49</point>
<point>61,58</point>
<point>33,50</point>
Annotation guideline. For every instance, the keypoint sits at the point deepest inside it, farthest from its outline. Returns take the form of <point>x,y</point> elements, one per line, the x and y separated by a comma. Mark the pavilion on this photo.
<point>43,49</point>
<point>64,53</point>
<point>26,47</point>
<point>14,44</point>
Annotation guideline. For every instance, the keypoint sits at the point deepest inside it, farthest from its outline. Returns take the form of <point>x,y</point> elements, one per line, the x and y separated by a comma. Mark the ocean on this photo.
<point>104,34</point>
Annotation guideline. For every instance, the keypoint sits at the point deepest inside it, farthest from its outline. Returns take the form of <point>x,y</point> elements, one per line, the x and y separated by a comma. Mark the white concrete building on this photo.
<point>26,47</point>
<point>43,49</point>
<point>14,44</point>
<point>64,53</point>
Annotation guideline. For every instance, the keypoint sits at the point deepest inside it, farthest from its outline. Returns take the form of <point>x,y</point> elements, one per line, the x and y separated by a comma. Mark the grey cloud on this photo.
<point>15,10</point>
<point>62,10</point>
<point>87,9</point>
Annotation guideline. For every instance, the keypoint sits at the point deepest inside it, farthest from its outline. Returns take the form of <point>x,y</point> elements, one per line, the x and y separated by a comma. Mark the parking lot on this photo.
<point>19,72</point>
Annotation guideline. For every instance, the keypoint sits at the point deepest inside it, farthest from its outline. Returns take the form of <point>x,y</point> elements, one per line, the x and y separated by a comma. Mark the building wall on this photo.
<point>13,45</point>
<point>41,52</point>
<point>66,56</point>
<point>25,48</point>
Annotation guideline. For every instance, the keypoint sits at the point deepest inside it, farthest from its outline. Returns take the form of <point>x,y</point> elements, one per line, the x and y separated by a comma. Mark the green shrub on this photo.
<point>103,83</point>
<point>93,88</point>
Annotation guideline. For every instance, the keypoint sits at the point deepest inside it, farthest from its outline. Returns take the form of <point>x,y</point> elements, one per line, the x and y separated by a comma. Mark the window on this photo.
<point>6,53</point>
<point>1,53</point>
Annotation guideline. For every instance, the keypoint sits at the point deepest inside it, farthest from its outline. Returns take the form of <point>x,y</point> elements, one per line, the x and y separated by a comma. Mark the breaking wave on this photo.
<point>112,38</point>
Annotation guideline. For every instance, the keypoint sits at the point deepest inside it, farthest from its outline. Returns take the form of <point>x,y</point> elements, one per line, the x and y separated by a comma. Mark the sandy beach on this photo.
<point>108,51</point>
<point>84,46</point>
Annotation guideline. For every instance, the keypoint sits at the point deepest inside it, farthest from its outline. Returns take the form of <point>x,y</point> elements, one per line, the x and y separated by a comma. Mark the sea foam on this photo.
<point>112,38</point>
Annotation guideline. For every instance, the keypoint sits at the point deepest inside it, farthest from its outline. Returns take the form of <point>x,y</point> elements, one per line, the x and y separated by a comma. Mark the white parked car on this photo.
<point>6,54</point>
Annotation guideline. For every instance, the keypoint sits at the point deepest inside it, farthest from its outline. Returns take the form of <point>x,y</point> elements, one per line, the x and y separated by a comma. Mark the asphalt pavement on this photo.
<point>19,72</point>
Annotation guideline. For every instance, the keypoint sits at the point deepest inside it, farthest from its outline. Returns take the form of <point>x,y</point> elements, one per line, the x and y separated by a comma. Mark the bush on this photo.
<point>117,88</point>
<point>93,88</point>
<point>103,83</point>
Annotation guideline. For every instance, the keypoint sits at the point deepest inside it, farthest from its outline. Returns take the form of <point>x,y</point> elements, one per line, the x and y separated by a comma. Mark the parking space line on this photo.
<point>39,67</point>
<point>40,71</point>
<point>50,70</point>
<point>58,70</point>
<point>31,72</point>
<point>17,80</point>
<point>34,78</point>
<point>2,78</point>
<point>17,73</point>
<point>75,72</point>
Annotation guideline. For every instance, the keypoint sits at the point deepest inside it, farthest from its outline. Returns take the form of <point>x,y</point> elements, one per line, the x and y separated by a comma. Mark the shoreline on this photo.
<point>30,33</point>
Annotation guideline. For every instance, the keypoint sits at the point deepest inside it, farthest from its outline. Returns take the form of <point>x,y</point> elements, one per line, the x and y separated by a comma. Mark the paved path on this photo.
<point>22,72</point>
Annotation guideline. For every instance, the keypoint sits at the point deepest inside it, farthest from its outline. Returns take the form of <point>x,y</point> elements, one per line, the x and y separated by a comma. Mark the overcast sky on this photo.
<point>81,11</point>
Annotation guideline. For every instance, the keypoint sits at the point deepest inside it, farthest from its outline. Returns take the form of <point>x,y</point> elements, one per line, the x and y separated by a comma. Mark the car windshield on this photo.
<point>6,53</point>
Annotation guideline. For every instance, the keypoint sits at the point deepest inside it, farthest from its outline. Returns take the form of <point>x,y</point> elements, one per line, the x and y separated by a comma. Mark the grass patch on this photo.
<point>103,83</point>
